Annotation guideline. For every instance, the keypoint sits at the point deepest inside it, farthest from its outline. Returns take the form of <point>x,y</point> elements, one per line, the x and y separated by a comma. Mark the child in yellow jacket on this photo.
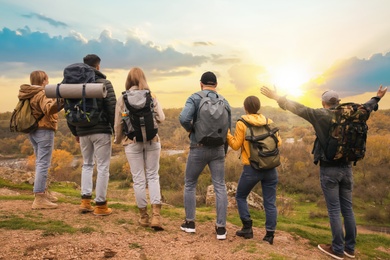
<point>251,176</point>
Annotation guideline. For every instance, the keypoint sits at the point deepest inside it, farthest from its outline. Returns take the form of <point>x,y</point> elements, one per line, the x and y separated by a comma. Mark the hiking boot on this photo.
<point>269,237</point>
<point>85,205</point>
<point>101,209</point>
<point>50,196</point>
<point>42,202</point>
<point>143,220</point>
<point>349,253</point>
<point>188,226</point>
<point>155,223</point>
<point>246,231</point>
<point>327,249</point>
<point>221,233</point>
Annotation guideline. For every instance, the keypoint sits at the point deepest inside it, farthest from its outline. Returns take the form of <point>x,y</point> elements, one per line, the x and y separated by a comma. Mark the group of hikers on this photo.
<point>133,119</point>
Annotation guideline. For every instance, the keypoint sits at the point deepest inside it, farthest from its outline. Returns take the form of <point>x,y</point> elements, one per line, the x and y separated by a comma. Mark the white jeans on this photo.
<point>95,148</point>
<point>144,160</point>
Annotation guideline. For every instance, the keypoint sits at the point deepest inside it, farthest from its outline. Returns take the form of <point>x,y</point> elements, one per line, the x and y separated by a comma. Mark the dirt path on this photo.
<point>119,237</point>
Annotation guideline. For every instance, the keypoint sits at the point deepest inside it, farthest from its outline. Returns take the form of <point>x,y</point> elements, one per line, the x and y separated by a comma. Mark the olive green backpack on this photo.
<point>263,143</point>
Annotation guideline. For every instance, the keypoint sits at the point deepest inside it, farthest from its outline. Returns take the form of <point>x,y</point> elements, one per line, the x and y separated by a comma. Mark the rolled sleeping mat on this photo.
<point>92,90</point>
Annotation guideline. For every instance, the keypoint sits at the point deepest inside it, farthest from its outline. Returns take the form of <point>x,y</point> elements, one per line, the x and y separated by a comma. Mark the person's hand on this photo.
<point>272,94</point>
<point>77,139</point>
<point>381,92</point>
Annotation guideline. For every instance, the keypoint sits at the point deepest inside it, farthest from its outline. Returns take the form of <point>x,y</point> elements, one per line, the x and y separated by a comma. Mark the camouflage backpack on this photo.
<point>348,133</point>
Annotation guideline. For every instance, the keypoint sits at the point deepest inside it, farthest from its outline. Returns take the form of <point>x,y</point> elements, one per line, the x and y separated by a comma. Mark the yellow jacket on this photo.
<point>238,141</point>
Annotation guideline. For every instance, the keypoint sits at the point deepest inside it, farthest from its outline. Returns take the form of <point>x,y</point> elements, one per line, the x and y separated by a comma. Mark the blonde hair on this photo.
<point>37,77</point>
<point>136,77</point>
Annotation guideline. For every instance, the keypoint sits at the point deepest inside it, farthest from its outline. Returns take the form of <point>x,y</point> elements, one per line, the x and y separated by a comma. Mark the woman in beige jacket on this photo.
<point>142,144</point>
<point>42,139</point>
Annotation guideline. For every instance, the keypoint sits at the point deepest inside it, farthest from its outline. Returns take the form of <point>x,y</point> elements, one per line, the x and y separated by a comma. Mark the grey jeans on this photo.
<point>144,160</point>
<point>95,148</point>
<point>42,141</point>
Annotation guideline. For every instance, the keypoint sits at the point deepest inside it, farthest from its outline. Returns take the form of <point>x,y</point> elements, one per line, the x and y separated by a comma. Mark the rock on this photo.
<point>254,200</point>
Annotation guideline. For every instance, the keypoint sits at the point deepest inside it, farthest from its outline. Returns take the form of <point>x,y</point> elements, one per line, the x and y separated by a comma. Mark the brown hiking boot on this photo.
<point>85,206</point>
<point>144,217</point>
<point>101,209</point>
<point>42,202</point>
<point>50,196</point>
<point>155,223</point>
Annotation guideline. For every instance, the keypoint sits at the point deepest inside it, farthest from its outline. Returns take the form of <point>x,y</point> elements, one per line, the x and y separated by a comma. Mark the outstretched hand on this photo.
<point>272,94</point>
<point>381,92</point>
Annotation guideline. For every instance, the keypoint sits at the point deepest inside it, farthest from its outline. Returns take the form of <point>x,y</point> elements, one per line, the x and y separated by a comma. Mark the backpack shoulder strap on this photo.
<point>127,104</point>
<point>247,125</point>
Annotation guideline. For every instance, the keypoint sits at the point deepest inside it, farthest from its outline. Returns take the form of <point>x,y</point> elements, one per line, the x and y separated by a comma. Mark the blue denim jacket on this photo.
<point>188,114</point>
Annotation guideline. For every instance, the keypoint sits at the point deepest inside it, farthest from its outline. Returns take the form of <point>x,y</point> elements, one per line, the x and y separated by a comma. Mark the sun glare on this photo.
<point>288,80</point>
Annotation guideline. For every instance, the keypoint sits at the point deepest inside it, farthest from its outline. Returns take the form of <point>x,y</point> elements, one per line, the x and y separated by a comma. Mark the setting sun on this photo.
<point>289,79</point>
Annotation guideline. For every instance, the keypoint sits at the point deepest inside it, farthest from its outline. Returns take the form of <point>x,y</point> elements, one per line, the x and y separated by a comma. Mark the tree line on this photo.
<point>297,173</point>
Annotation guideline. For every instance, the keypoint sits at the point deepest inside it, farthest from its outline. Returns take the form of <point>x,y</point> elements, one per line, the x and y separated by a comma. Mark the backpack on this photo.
<point>348,133</point>
<point>212,120</point>
<point>83,111</point>
<point>263,145</point>
<point>138,118</point>
<point>22,118</point>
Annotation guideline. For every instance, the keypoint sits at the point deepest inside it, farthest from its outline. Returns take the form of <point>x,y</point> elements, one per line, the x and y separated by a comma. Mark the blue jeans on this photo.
<point>337,185</point>
<point>95,147</point>
<point>249,178</point>
<point>197,160</point>
<point>144,161</point>
<point>42,141</point>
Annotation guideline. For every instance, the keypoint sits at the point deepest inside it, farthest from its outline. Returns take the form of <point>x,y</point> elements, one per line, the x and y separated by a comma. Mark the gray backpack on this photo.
<point>263,143</point>
<point>212,120</point>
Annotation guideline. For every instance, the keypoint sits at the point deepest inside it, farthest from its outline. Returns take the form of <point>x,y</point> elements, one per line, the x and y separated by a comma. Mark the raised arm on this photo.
<point>272,94</point>
<point>381,92</point>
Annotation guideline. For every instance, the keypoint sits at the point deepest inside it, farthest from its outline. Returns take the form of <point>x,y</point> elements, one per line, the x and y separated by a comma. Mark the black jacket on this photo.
<point>107,104</point>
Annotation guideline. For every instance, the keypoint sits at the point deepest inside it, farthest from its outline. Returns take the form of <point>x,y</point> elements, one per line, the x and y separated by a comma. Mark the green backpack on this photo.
<point>22,119</point>
<point>263,143</point>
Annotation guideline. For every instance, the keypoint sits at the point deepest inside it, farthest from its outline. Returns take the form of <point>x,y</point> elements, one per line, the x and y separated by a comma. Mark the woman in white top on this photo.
<point>142,143</point>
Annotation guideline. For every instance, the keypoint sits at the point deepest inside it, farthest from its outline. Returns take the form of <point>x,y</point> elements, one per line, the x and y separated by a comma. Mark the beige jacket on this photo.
<point>40,104</point>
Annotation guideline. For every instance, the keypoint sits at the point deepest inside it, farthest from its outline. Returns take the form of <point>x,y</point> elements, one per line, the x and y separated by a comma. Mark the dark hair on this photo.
<point>252,104</point>
<point>92,60</point>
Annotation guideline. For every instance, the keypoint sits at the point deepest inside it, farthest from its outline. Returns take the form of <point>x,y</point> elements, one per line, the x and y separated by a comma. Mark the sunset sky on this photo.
<point>302,47</point>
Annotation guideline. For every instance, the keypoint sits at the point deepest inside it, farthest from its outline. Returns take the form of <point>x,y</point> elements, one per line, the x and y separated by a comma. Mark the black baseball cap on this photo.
<point>208,78</point>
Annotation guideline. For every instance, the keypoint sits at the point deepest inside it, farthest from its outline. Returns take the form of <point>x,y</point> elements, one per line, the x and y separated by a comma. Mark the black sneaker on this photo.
<point>348,253</point>
<point>188,226</point>
<point>327,249</point>
<point>221,233</point>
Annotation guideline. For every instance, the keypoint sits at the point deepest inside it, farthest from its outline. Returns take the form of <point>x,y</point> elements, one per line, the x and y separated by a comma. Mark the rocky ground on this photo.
<point>118,236</point>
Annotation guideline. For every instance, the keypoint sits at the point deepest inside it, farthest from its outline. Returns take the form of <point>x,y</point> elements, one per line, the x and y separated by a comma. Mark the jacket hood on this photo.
<point>27,91</point>
<point>256,119</point>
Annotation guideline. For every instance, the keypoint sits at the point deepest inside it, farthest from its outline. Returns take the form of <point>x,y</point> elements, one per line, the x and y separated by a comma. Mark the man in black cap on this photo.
<point>207,147</point>
<point>335,175</point>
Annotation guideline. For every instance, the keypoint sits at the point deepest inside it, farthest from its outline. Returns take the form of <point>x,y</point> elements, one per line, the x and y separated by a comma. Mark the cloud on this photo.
<point>246,76</point>
<point>37,49</point>
<point>46,19</point>
<point>203,44</point>
<point>354,76</point>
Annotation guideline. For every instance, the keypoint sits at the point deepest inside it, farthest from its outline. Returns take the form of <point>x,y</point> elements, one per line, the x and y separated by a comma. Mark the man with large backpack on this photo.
<point>207,117</point>
<point>335,173</point>
<point>95,143</point>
